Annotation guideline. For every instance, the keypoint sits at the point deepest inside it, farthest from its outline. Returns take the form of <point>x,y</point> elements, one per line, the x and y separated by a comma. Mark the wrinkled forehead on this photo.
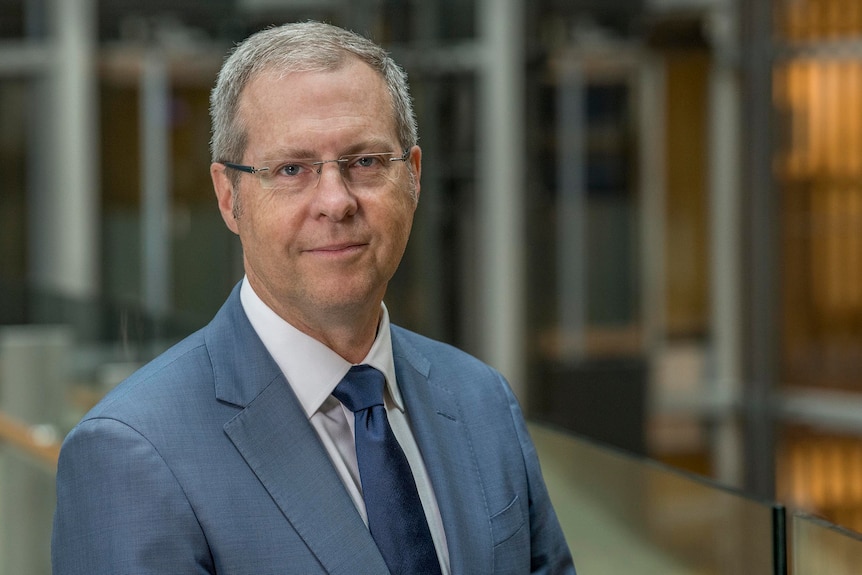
<point>278,69</point>
<point>305,106</point>
<point>365,79</point>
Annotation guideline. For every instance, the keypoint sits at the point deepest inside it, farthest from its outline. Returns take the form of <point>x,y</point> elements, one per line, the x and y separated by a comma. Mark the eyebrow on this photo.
<point>307,154</point>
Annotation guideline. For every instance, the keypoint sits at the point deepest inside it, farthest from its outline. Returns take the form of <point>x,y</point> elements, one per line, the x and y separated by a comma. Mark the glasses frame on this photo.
<point>342,161</point>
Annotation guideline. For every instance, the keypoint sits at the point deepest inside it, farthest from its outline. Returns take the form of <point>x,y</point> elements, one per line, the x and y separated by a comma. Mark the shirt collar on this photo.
<point>311,368</point>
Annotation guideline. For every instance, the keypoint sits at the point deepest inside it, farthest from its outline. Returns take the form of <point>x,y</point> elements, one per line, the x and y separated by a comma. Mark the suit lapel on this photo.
<point>279,444</point>
<point>443,439</point>
<point>285,453</point>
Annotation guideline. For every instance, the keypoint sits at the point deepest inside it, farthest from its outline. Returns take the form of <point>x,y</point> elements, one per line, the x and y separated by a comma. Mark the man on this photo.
<point>241,449</point>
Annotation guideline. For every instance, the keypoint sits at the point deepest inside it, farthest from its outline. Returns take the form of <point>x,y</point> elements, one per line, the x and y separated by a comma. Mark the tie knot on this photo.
<point>361,388</point>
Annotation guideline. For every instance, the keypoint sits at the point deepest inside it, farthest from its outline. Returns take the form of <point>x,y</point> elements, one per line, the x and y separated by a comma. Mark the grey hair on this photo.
<point>299,47</point>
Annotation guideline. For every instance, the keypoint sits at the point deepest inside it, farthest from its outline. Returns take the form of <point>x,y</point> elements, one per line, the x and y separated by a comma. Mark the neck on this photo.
<point>350,338</point>
<point>348,329</point>
<point>348,342</point>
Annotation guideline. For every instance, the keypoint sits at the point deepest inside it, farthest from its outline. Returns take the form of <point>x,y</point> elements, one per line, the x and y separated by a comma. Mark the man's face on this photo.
<point>328,252</point>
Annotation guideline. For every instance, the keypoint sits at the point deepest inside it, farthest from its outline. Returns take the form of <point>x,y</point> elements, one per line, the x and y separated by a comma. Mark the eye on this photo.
<point>367,161</point>
<point>290,169</point>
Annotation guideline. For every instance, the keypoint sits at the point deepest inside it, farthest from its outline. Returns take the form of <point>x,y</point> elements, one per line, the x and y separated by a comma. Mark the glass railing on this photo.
<point>821,547</point>
<point>621,513</point>
<point>624,514</point>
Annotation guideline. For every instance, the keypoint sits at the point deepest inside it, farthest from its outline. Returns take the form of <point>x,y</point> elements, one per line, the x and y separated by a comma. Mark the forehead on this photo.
<point>317,109</point>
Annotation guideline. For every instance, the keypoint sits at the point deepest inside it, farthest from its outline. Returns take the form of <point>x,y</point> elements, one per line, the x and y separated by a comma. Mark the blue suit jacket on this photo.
<point>204,462</point>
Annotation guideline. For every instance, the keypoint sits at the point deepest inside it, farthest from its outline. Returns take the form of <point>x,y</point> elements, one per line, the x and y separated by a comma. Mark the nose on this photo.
<point>333,198</point>
<point>321,163</point>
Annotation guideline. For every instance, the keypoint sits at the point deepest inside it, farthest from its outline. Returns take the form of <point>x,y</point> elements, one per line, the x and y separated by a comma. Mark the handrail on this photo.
<point>32,440</point>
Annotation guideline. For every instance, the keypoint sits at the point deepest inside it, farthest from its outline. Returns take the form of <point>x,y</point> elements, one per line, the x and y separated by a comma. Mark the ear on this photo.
<point>224,195</point>
<point>415,161</point>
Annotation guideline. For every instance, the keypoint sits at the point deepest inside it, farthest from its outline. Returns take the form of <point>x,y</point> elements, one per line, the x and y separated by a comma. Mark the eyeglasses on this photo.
<point>358,171</point>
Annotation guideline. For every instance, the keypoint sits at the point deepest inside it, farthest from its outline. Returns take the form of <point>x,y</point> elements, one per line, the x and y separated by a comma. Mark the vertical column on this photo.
<point>725,244</point>
<point>652,184</point>
<point>64,225</point>
<point>761,237</point>
<point>572,210</point>
<point>428,235</point>
<point>501,171</point>
<point>154,122</point>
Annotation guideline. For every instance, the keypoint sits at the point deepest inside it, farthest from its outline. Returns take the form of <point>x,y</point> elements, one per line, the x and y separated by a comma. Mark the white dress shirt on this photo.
<point>313,370</point>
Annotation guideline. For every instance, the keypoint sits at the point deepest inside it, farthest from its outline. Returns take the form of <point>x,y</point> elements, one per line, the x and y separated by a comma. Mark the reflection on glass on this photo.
<point>821,547</point>
<point>622,514</point>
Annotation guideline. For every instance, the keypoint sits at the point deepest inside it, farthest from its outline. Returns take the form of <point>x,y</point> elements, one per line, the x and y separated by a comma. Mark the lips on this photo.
<point>338,248</point>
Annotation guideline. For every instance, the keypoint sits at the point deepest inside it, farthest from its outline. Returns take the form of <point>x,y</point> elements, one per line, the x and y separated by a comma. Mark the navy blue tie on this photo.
<point>395,516</point>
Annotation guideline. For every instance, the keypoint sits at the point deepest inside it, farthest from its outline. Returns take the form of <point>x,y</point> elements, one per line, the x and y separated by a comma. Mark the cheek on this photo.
<point>265,228</point>
<point>401,222</point>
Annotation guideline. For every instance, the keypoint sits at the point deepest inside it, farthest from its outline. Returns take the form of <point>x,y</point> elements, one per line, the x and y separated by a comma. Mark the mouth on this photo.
<point>346,248</point>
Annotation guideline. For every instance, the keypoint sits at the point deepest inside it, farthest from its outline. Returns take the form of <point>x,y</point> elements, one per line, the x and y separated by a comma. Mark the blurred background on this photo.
<point>646,213</point>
